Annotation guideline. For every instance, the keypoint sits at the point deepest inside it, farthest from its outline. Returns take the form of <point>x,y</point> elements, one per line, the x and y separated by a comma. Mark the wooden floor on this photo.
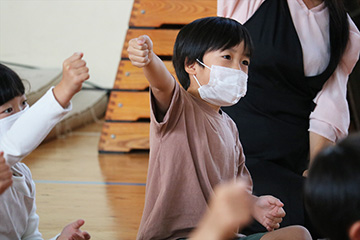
<point>74,181</point>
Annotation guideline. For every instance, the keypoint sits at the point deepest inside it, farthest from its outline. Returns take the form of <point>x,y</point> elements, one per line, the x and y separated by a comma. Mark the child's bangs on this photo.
<point>11,85</point>
<point>9,93</point>
<point>230,35</point>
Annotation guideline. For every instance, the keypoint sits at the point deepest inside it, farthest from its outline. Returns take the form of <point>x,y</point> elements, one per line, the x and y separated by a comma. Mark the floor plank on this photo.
<point>74,181</point>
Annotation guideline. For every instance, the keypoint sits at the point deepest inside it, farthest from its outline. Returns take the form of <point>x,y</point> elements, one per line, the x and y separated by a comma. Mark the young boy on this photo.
<point>193,144</point>
<point>332,190</point>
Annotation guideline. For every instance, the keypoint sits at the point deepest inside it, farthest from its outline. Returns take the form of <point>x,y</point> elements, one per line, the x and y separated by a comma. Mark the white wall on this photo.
<point>43,33</point>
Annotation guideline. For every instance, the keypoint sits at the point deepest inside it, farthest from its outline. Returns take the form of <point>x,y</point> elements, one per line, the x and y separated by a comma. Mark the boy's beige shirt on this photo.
<point>193,149</point>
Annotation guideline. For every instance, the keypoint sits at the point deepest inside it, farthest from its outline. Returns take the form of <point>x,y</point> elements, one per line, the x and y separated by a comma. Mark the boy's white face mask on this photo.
<point>226,85</point>
<point>6,123</point>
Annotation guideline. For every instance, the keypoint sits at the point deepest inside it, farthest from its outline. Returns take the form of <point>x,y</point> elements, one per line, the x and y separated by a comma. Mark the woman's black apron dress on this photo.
<point>273,117</point>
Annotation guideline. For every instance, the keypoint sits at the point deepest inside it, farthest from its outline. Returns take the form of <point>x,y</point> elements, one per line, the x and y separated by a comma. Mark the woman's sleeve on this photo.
<point>31,128</point>
<point>240,10</point>
<point>331,117</point>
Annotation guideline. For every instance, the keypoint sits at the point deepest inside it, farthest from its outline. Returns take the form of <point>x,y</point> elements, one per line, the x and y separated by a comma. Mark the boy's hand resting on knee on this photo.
<point>229,210</point>
<point>268,211</point>
<point>140,51</point>
<point>5,174</point>
<point>72,232</point>
<point>75,73</point>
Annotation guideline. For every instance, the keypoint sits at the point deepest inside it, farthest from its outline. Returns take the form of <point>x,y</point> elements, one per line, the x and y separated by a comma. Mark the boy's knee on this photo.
<point>295,232</point>
<point>300,233</point>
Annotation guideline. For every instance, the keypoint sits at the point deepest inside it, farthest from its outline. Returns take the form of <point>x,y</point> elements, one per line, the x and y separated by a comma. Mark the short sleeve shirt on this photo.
<point>193,149</point>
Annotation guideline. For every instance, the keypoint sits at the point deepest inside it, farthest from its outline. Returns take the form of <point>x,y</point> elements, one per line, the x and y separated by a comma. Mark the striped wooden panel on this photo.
<point>163,40</point>
<point>124,137</point>
<point>153,18</point>
<point>155,13</point>
<point>131,77</point>
<point>128,106</point>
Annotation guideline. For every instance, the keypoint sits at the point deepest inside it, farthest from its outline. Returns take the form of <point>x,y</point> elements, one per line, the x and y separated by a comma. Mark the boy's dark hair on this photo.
<point>11,85</point>
<point>205,35</point>
<point>332,189</point>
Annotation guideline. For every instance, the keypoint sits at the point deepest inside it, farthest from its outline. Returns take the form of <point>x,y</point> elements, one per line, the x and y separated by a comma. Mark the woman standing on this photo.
<point>296,99</point>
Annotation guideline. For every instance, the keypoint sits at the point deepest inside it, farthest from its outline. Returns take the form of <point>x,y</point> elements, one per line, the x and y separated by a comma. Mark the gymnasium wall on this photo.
<point>43,33</point>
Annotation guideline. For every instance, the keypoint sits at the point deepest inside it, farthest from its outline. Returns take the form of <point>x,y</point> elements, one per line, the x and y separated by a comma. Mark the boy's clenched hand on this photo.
<point>140,51</point>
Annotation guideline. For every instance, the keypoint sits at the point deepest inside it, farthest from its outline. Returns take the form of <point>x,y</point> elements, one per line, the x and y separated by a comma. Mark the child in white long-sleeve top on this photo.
<point>22,129</point>
<point>194,145</point>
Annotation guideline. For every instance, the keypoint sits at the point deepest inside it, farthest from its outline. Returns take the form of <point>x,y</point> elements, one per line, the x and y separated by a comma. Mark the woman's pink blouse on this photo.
<point>331,117</point>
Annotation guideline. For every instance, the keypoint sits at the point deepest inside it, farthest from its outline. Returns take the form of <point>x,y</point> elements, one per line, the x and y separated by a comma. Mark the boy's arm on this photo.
<point>267,210</point>
<point>162,83</point>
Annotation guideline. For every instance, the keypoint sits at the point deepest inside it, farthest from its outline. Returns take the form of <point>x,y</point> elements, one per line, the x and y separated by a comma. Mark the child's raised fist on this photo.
<point>75,72</point>
<point>140,51</point>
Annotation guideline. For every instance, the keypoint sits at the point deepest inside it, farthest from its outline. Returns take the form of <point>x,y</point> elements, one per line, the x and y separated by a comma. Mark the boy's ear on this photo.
<point>354,232</point>
<point>190,68</point>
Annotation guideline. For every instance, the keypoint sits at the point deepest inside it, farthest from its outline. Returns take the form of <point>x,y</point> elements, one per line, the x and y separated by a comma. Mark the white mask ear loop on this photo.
<point>197,80</point>
<point>204,66</point>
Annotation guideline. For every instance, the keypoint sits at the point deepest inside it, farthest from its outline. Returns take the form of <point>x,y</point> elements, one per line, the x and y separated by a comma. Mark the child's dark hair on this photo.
<point>11,85</point>
<point>204,35</point>
<point>332,189</point>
